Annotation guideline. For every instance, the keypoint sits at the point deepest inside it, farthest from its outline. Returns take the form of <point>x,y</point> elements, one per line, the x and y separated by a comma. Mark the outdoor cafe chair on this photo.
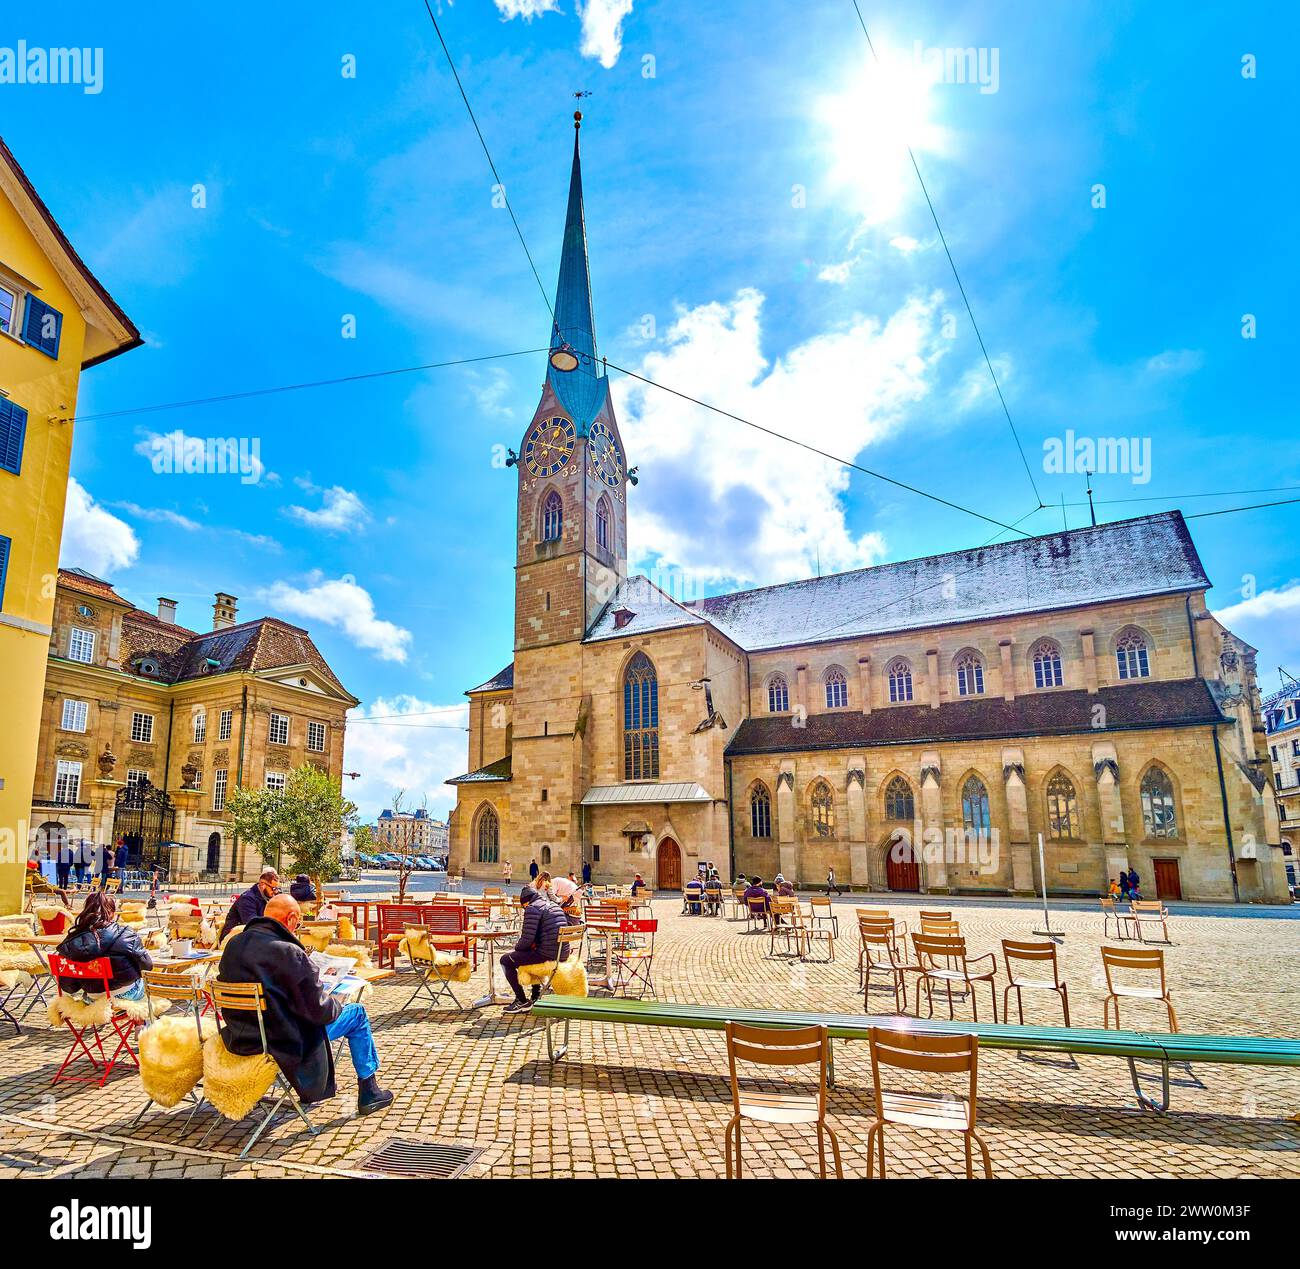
<point>713,900</point>
<point>24,976</point>
<point>940,928</point>
<point>88,1018</point>
<point>644,901</point>
<point>781,925</point>
<point>1149,912</point>
<point>806,931</point>
<point>928,1055</point>
<point>934,915</point>
<point>634,960</point>
<point>1017,954</point>
<point>823,913</point>
<point>566,975</point>
<point>1142,961</point>
<point>880,953</point>
<point>733,902</point>
<point>391,922</point>
<point>235,1085</point>
<point>772,1047</point>
<point>692,899</point>
<point>944,960</point>
<point>438,954</point>
<point>756,915</point>
<point>1110,912</point>
<point>171,1048</point>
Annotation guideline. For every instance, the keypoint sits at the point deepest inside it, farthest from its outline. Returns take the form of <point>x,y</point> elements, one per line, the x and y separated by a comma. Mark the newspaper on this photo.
<point>332,969</point>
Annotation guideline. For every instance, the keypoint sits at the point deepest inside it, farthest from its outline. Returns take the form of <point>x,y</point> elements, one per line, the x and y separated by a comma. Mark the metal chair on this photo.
<point>392,920</point>
<point>249,998</point>
<point>176,986</point>
<point>805,932</point>
<point>781,924</point>
<point>1143,960</point>
<point>1148,912</point>
<point>756,913</point>
<point>1109,913</point>
<point>944,960</point>
<point>936,927</point>
<point>423,944</point>
<point>879,952</point>
<point>634,960</point>
<point>822,912</point>
<point>934,915</point>
<point>99,970</point>
<point>1017,953</point>
<point>928,1054</point>
<point>769,1046</point>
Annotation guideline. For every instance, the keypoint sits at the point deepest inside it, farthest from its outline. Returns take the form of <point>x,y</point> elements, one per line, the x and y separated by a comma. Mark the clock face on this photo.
<point>549,446</point>
<point>606,461</point>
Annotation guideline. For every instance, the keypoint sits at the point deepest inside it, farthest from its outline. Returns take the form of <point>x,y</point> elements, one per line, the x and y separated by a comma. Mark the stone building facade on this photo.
<point>1281,711</point>
<point>913,726</point>
<point>146,726</point>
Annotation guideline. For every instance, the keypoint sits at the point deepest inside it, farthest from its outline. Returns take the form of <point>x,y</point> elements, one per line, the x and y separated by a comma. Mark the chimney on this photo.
<point>224,611</point>
<point>167,610</point>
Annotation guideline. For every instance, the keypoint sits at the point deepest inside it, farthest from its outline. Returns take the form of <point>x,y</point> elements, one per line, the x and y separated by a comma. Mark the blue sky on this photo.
<point>758,239</point>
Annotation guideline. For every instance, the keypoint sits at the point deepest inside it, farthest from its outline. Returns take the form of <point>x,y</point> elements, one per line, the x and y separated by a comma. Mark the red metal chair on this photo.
<point>634,960</point>
<point>99,970</point>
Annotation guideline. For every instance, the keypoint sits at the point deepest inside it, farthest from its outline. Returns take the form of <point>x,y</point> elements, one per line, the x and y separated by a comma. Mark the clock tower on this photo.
<point>572,497</point>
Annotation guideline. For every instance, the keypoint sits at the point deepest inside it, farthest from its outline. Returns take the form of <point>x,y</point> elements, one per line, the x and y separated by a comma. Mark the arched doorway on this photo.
<point>669,876</point>
<point>901,869</point>
<point>214,852</point>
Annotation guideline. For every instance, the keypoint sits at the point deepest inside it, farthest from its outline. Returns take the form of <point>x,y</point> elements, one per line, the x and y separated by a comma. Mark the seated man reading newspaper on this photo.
<point>303,1009</point>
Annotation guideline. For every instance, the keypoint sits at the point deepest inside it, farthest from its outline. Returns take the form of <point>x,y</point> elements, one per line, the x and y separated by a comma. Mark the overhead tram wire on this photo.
<point>970,312</point>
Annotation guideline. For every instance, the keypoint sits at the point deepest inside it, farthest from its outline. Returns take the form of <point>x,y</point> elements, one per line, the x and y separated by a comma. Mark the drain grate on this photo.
<point>399,1157</point>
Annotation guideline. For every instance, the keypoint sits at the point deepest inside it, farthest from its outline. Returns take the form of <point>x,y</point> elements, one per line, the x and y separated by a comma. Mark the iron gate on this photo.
<point>144,818</point>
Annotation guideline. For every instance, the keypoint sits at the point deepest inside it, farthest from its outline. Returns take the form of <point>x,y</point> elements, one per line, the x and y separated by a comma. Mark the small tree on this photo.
<point>303,823</point>
<point>405,844</point>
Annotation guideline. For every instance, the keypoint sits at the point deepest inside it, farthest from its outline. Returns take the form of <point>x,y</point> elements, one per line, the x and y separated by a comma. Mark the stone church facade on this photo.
<point>912,726</point>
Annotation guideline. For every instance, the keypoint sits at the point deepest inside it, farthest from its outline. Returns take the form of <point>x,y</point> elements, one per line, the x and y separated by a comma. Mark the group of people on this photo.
<point>703,893</point>
<point>1126,886</point>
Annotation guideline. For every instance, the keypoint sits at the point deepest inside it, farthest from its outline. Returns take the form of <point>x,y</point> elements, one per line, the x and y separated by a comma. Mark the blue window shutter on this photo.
<point>13,431</point>
<point>35,326</point>
<point>4,568</point>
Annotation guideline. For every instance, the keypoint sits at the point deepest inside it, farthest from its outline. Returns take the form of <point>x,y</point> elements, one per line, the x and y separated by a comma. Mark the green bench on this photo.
<point>1154,1046</point>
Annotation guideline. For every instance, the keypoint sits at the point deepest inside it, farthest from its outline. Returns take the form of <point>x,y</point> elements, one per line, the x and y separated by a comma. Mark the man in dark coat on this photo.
<point>302,889</point>
<point>539,942</point>
<point>252,903</point>
<point>302,1017</point>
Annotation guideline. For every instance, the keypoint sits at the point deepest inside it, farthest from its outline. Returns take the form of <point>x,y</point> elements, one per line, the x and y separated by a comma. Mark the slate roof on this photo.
<point>1129,706</point>
<point>501,681</point>
<point>493,772</point>
<point>643,793</point>
<point>651,608</point>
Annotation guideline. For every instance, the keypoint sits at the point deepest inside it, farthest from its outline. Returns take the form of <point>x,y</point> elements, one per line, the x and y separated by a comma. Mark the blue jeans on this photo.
<point>354,1023</point>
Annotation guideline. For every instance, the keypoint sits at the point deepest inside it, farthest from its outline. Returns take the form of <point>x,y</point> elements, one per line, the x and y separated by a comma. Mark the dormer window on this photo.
<point>85,610</point>
<point>149,667</point>
<point>622,616</point>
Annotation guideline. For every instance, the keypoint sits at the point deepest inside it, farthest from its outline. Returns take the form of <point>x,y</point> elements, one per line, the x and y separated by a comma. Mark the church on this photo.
<point>916,726</point>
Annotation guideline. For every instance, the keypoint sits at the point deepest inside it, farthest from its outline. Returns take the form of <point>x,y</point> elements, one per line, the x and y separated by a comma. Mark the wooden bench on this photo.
<point>1154,1046</point>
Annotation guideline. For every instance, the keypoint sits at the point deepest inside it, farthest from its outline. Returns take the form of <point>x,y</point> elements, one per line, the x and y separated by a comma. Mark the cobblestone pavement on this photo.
<point>653,1102</point>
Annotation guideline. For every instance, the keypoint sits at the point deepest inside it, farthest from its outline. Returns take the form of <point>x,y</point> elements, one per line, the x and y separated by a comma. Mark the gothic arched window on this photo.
<point>1047,664</point>
<point>1158,816</point>
<point>970,674</point>
<point>487,837</point>
<point>603,536</point>
<point>640,720</point>
<point>837,688</point>
<point>778,694</point>
<point>1062,809</point>
<point>899,802</point>
<point>552,517</point>
<point>760,811</point>
<point>975,806</point>
<point>1131,655</point>
<point>900,680</point>
<point>822,806</point>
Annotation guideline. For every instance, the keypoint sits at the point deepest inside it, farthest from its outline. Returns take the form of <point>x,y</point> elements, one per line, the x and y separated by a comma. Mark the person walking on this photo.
<point>507,871</point>
<point>586,872</point>
<point>533,869</point>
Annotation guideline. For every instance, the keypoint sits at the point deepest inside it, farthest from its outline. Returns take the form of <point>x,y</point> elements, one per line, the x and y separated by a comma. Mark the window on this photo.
<point>1274,753</point>
<point>970,674</point>
<point>67,781</point>
<point>778,694</point>
<point>1131,656</point>
<point>1062,809</point>
<point>81,645</point>
<point>822,806</point>
<point>136,777</point>
<point>546,855</point>
<point>487,837</point>
<point>219,789</point>
<point>142,728</point>
<point>275,779</point>
<point>1295,747</point>
<point>1158,818</point>
<point>279,730</point>
<point>899,802</point>
<point>837,688</point>
<point>1047,665</point>
<point>602,525</point>
<point>900,680</point>
<point>13,432</point>
<point>975,807</point>
<point>552,517</point>
<point>42,326</point>
<point>200,726</point>
<point>760,812</point>
<point>225,722</point>
<point>8,303</point>
<point>640,720</point>
<point>74,715</point>
<point>5,544</point>
<point>316,737</point>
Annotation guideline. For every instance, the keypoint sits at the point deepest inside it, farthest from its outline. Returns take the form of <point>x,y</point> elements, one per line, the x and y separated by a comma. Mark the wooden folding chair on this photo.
<point>99,970</point>
<point>1017,954</point>
<point>944,960</point>
<point>925,1054</point>
<point>1145,960</point>
<point>250,998</point>
<point>772,1047</point>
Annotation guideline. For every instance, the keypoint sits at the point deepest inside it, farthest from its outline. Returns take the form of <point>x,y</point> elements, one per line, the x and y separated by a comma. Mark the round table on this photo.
<point>491,938</point>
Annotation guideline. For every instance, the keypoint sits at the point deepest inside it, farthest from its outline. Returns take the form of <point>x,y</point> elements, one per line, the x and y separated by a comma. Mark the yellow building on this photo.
<point>56,319</point>
<point>147,726</point>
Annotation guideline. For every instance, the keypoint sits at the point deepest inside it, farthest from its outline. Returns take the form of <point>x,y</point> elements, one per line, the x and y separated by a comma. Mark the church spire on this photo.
<point>582,390</point>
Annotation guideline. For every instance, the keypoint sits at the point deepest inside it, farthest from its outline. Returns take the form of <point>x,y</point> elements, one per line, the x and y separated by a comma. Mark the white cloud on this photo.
<point>340,602</point>
<point>416,746</point>
<point>526,9</point>
<point>1175,361</point>
<point>722,501</point>
<point>837,273</point>
<point>1283,601</point>
<point>904,243</point>
<point>492,389</point>
<point>602,29</point>
<point>341,512</point>
<point>158,515</point>
<point>976,385</point>
<point>95,539</point>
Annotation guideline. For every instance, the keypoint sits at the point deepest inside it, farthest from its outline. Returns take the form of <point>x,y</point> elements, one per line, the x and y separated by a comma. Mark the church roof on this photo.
<point>638,606</point>
<point>1125,559</point>
<point>492,773</point>
<point>582,391</point>
<point>1177,703</point>
<point>501,681</point>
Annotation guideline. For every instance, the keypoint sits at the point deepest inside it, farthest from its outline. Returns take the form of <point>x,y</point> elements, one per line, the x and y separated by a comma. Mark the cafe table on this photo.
<point>33,992</point>
<point>353,905</point>
<point>491,938</point>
